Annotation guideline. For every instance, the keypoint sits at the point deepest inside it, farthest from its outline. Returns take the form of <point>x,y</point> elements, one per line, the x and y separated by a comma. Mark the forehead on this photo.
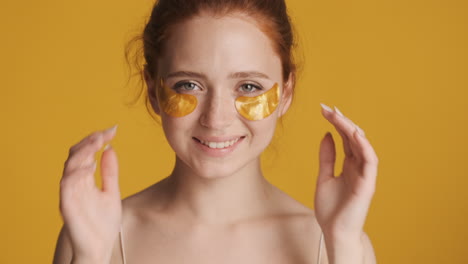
<point>217,46</point>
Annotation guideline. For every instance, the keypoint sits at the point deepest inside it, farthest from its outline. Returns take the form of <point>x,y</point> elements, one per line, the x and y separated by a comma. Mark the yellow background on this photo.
<point>398,68</point>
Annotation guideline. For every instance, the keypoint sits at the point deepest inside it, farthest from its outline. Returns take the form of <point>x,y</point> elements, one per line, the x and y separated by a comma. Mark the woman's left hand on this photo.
<point>342,203</point>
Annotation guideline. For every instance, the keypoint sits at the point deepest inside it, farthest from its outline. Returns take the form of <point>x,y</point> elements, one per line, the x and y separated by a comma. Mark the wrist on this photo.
<point>92,254</point>
<point>344,248</point>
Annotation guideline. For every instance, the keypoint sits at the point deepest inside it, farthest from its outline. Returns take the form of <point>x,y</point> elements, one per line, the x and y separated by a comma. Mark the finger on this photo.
<point>340,125</point>
<point>358,143</point>
<point>346,127</point>
<point>327,158</point>
<point>83,142</point>
<point>77,180</point>
<point>368,156</point>
<point>84,154</point>
<point>110,170</point>
<point>352,129</point>
<point>348,120</point>
<point>348,150</point>
<point>86,139</point>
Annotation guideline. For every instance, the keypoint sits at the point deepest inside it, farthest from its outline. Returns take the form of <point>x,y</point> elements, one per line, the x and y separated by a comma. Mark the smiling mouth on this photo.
<point>218,145</point>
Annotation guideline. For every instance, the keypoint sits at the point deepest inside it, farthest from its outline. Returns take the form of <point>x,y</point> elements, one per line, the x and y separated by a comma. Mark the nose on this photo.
<point>218,112</point>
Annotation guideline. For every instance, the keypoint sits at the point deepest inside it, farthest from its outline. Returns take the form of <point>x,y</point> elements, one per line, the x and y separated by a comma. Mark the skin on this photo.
<point>218,209</point>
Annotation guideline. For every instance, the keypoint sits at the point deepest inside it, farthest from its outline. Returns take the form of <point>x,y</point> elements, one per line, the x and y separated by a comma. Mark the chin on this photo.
<point>216,168</point>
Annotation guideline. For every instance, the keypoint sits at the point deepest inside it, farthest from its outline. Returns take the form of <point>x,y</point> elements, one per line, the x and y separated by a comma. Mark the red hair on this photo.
<point>269,15</point>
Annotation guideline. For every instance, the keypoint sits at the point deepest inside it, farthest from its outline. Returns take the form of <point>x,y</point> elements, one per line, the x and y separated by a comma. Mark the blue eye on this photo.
<point>186,86</point>
<point>250,88</point>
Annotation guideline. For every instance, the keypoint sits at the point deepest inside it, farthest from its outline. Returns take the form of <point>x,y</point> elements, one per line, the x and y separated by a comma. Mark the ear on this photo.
<point>151,89</point>
<point>287,95</point>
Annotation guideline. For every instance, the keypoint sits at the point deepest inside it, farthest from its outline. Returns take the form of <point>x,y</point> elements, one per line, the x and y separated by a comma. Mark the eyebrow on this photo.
<point>234,75</point>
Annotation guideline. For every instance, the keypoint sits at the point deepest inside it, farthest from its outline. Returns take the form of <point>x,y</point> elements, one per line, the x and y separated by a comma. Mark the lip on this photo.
<point>217,152</point>
<point>218,139</point>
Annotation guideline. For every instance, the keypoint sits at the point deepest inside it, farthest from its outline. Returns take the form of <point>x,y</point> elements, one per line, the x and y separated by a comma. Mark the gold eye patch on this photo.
<point>258,107</point>
<point>251,108</point>
<point>175,104</point>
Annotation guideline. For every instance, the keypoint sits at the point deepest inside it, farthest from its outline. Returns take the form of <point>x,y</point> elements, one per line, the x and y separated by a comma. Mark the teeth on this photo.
<point>219,145</point>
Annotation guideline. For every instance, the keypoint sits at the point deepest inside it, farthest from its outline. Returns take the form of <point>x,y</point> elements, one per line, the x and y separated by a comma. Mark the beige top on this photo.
<point>124,261</point>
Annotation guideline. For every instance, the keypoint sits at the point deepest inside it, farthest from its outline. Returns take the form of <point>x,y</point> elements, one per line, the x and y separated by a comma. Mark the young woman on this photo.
<point>219,73</point>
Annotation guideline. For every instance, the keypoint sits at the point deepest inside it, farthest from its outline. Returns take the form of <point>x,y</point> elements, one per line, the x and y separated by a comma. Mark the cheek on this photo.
<point>263,130</point>
<point>175,128</point>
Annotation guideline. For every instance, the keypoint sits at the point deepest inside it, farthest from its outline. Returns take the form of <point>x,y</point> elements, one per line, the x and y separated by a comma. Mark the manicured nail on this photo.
<point>338,111</point>
<point>111,130</point>
<point>327,108</point>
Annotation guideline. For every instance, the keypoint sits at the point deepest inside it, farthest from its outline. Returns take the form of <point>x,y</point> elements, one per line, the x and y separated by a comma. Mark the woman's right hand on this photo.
<point>91,216</point>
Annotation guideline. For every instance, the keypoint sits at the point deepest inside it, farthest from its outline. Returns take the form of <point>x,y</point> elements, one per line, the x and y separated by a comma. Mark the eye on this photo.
<point>250,88</point>
<point>185,86</point>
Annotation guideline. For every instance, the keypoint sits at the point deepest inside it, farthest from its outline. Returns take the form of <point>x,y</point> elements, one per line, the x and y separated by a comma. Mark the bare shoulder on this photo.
<point>146,206</point>
<point>296,212</point>
<point>298,227</point>
<point>135,208</point>
<point>306,233</point>
<point>148,199</point>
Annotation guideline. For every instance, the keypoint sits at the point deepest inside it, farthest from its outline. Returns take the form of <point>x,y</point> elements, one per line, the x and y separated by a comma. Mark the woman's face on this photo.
<point>217,60</point>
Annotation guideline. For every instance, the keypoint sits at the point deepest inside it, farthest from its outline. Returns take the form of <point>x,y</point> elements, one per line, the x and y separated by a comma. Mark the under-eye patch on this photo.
<point>251,108</point>
<point>258,107</point>
<point>175,104</point>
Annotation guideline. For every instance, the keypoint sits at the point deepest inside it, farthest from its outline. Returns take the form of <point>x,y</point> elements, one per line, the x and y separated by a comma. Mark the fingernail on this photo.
<point>107,146</point>
<point>327,108</point>
<point>338,111</point>
<point>111,130</point>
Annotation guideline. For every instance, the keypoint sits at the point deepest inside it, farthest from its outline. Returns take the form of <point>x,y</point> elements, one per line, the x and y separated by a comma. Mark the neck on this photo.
<point>219,200</point>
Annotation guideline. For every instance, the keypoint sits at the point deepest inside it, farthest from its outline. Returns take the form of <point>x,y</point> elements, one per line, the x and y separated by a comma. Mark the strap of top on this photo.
<point>320,249</point>
<point>122,249</point>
